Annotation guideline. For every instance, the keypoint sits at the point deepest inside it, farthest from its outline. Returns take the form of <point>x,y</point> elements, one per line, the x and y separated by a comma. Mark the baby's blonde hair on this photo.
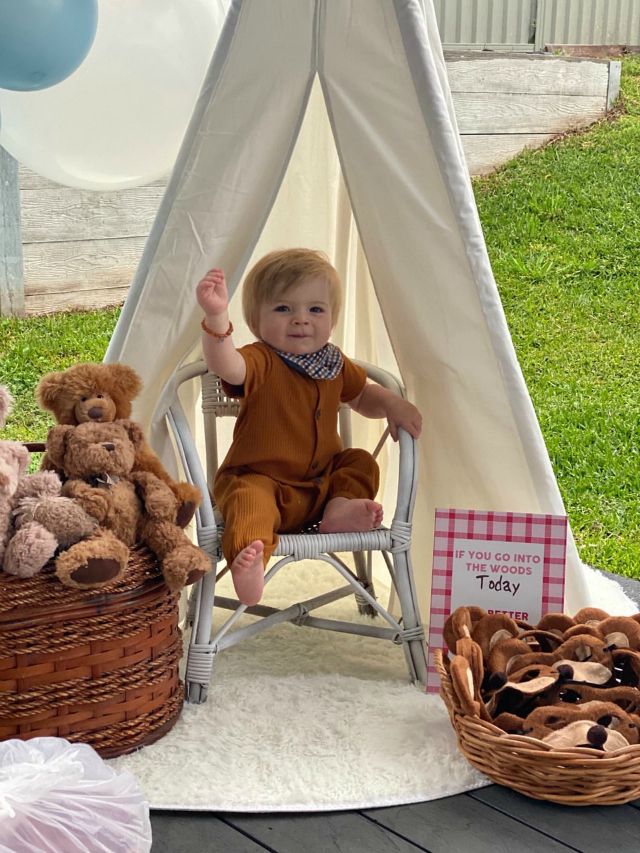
<point>275,274</point>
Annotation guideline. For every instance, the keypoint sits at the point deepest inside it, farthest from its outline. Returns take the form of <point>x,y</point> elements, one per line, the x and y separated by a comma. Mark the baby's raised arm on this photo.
<point>220,354</point>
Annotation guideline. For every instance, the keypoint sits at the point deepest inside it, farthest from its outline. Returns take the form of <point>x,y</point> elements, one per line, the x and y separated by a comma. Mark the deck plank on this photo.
<point>333,832</point>
<point>464,823</point>
<point>174,831</point>
<point>590,829</point>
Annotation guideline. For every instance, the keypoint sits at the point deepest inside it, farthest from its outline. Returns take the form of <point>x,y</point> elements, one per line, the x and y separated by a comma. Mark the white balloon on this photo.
<point>118,120</point>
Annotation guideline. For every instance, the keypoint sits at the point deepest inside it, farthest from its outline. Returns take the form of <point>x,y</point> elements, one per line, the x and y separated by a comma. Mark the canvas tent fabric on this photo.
<point>325,123</point>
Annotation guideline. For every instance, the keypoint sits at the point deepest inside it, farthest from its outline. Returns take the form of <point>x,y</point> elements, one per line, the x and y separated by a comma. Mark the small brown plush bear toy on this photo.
<point>130,506</point>
<point>102,393</point>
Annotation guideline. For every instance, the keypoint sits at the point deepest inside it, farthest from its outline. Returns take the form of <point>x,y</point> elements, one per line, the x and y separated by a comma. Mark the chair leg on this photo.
<point>200,654</point>
<point>414,643</point>
<point>192,606</point>
<point>364,573</point>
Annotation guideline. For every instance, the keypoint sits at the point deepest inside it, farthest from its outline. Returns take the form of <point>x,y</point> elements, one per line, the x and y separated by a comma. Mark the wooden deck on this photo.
<point>488,820</point>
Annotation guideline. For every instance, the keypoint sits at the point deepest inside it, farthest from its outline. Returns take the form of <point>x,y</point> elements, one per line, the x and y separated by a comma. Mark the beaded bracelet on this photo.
<point>219,336</point>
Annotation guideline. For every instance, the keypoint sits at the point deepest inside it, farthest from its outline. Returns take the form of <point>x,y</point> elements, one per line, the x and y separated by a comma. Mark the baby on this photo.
<point>286,466</point>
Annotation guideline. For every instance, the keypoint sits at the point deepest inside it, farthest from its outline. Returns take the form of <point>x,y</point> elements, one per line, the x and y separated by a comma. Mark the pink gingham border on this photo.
<point>450,524</point>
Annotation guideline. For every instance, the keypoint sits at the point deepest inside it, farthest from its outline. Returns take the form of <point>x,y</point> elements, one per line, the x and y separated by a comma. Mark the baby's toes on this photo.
<point>376,514</point>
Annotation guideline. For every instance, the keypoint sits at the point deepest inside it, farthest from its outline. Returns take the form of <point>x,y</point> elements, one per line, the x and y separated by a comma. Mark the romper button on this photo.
<point>314,465</point>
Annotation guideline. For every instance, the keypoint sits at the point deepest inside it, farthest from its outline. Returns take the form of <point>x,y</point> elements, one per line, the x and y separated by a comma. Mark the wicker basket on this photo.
<point>575,777</point>
<point>96,666</point>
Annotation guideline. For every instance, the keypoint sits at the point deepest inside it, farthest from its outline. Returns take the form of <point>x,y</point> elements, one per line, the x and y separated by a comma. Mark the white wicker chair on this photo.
<point>393,543</point>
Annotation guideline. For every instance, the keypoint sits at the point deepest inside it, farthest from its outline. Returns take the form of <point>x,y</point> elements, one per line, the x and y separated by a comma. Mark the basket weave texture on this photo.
<point>575,776</point>
<point>95,666</point>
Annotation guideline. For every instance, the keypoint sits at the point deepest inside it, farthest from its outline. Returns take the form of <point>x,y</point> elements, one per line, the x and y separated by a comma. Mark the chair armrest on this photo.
<point>191,463</point>
<point>407,477</point>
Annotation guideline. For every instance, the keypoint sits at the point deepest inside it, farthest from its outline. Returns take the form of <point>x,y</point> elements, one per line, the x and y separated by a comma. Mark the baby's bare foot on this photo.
<point>342,515</point>
<point>247,572</point>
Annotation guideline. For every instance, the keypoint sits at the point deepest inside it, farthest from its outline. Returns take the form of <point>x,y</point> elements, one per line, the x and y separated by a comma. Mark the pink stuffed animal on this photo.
<point>35,521</point>
<point>14,459</point>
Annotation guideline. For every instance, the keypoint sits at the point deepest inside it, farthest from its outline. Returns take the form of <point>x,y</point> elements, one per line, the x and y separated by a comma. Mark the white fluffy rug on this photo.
<point>305,720</point>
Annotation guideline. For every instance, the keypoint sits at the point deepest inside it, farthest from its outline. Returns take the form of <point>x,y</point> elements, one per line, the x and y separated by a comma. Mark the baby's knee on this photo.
<point>354,457</point>
<point>362,461</point>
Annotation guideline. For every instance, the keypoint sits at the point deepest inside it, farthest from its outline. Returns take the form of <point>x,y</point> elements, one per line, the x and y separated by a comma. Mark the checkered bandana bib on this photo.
<point>324,364</point>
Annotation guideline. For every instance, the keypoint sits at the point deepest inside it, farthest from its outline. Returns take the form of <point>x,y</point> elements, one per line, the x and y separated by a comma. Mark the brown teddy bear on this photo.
<point>101,393</point>
<point>97,460</point>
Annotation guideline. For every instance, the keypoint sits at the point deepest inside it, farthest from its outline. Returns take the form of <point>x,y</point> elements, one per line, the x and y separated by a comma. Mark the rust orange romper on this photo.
<point>286,459</point>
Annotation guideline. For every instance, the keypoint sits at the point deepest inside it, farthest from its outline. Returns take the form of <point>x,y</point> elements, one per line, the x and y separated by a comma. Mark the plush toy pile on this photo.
<point>103,489</point>
<point>569,681</point>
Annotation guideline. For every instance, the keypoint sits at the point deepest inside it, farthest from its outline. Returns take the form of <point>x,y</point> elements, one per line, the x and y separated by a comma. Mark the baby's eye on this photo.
<point>83,399</point>
<point>100,396</point>
<point>281,308</point>
<point>317,309</point>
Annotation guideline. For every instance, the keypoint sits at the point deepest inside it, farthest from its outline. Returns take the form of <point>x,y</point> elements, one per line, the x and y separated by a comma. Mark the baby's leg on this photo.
<point>251,517</point>
<point>353,484</point>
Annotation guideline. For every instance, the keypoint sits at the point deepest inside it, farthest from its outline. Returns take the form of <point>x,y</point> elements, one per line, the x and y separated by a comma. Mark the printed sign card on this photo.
<point>504,562</point>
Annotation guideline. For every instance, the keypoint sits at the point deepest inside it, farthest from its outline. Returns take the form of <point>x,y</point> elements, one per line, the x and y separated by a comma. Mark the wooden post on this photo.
<point>11,271</point>
<point>613,90</point>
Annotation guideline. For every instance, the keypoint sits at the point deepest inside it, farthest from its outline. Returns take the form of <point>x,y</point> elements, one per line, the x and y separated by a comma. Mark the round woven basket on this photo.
<point>575,776</point>
<point>96,666</point>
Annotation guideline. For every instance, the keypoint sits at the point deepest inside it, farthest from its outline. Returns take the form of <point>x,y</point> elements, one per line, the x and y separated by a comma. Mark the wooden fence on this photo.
<point>63,248</point>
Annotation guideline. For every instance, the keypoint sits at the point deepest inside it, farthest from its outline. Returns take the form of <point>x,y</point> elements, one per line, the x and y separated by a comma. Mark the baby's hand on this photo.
<point>402,413</point>
<point>211,293</point>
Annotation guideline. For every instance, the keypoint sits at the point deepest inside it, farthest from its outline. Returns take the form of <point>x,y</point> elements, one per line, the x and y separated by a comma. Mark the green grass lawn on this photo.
<point>563,231</point>
<point>562,226</point>
<point>33,346</point>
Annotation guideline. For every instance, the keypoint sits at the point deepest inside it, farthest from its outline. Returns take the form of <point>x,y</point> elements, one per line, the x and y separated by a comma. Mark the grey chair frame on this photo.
<point>393,542</point>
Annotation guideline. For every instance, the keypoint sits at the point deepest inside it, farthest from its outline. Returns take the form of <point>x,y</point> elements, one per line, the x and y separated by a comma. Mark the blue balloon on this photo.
<point>43,41</point>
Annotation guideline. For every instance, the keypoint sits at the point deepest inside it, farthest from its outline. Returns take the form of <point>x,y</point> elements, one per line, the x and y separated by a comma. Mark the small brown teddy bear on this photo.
<point>97,460</point>
<point>101,393</point>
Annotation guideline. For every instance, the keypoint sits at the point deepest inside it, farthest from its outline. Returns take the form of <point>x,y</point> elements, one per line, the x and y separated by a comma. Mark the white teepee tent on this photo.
<point>248,180</point>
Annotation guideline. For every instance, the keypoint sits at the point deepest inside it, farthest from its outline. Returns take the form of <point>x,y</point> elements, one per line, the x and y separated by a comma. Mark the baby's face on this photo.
<point>299,322</point>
